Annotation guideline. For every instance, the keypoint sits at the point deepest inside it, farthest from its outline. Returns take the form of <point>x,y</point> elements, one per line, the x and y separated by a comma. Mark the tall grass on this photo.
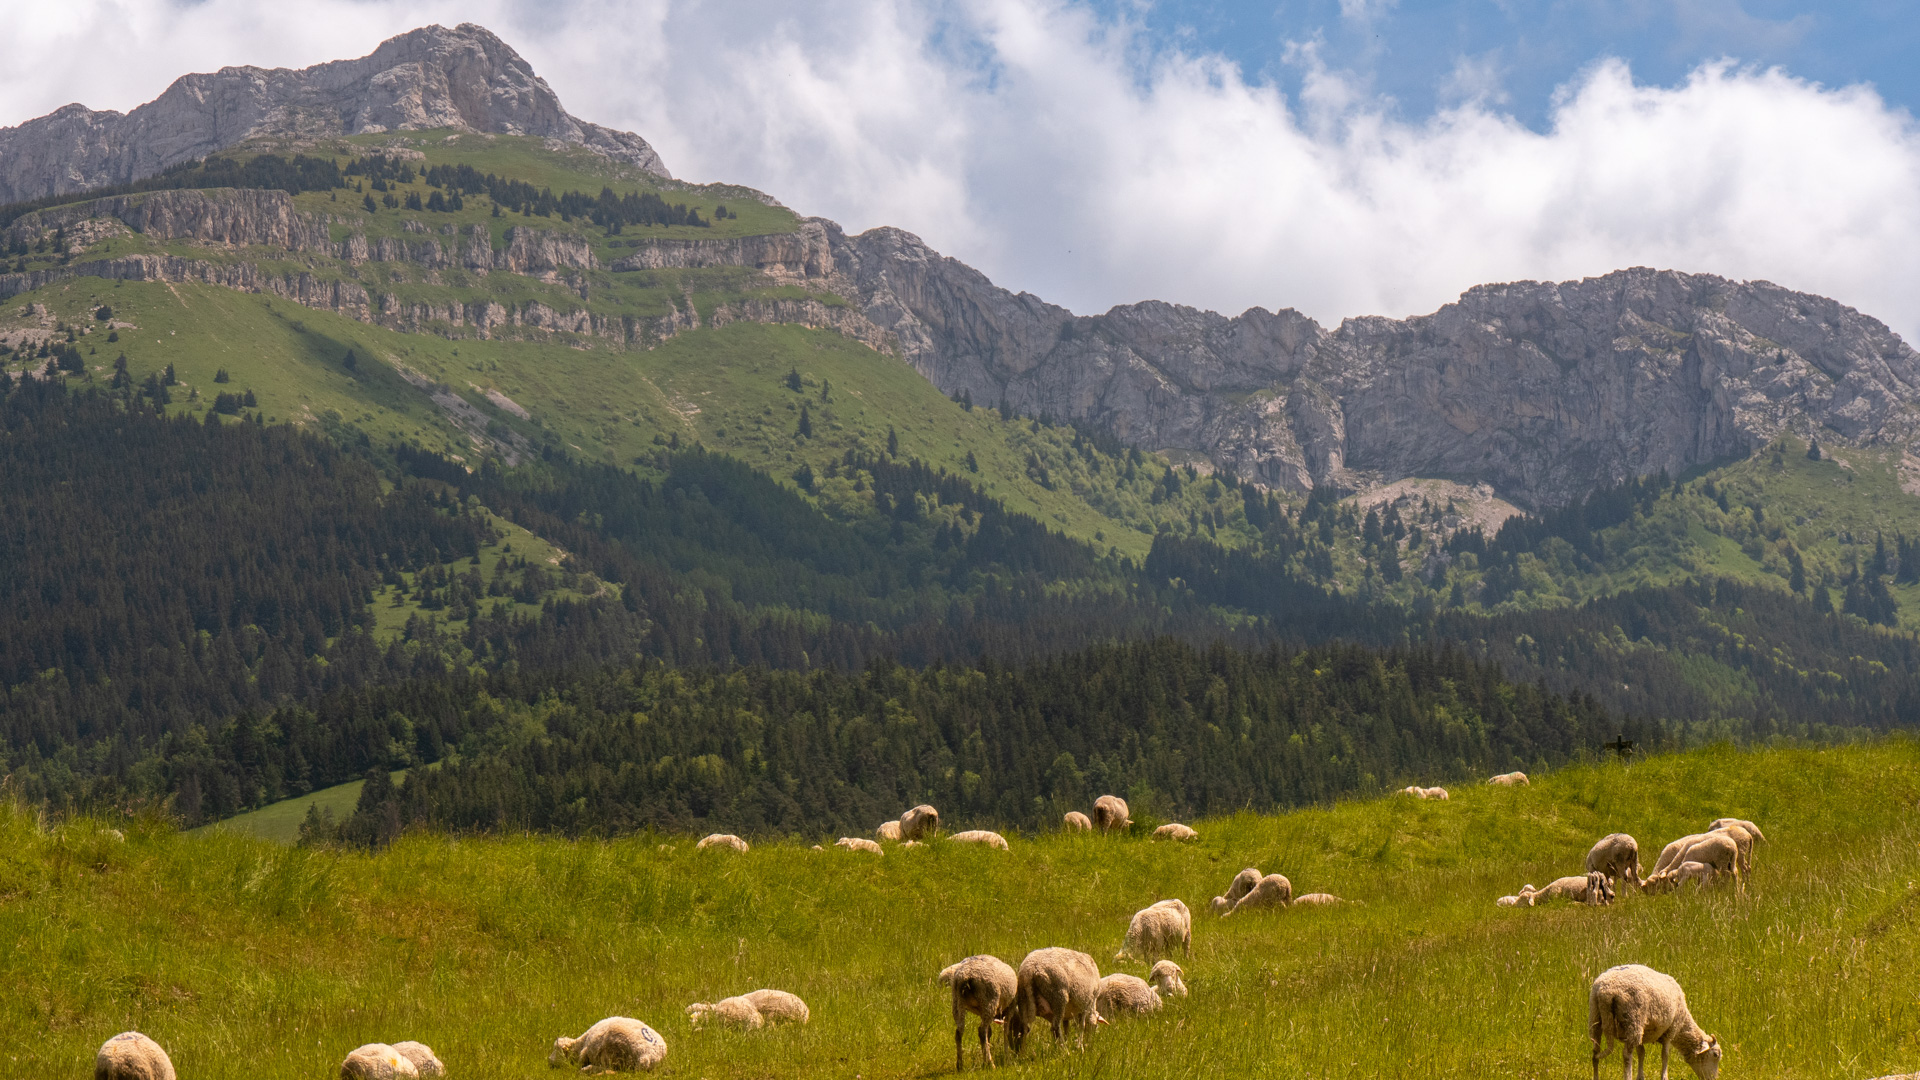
<point>247,959</point>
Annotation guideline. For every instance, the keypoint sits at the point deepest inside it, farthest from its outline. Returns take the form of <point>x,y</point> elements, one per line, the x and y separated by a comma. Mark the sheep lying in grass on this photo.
<point>1636,1005</point>
<point>888,830</point>
<point>1167,978</point>
<point>980,836</point>
<point>132,1056</point>
<point>1616,855</point>
<point>721,840</point>
<point>1274,890</point>
<point>1175,831</point>
<point>859,843</point>
<point>1156,930</point>
<point>616,1044</point>
<point>1513,901</point>
<point>1242,884</point>
<point>780,1007</point>
<point>1126,995</point>
<point>1059,984</point>
<point>378,1061</point>
<point>1110,812</point>
<point>1075,821</point>
<point>919,823</point>
<point>985,986</point>
<point>735,1012</point>
<point>1512,779</point>
<point>1591,889</point>
<point>422,1056</point>
<point>1317,899</point>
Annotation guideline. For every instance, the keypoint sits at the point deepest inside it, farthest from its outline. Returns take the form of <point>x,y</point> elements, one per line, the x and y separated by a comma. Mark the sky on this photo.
<point>1342,157</point>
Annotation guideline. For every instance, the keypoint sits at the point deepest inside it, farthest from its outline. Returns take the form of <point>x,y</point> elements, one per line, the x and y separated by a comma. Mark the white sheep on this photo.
<point>1175,831</point>
<point>422,1056</point>
<point>1743,840</point>
<point>1155,930</point>
<point>1591,889</point>
<point>1122,995</point>
<point>378,1061</point>
<point>1635,1005</point>
<point>1274,890</point>
<point>985,986</point>
<point>1075,821</point>
<point>616,1044</point>
<point>1059,984</point>
<point>919,823</point>
<point>1317,899</point>
<point>1168,978</point>
<point>1694,873</point>
<point>1110,812</point>
<point>1435,793</point>
<point>1242,884</point>
<point>132,1056</point>
<point>721,840</point>
<point>1616,855</point>
<point>859,843</point>
<point>888,830</point>
<point>1512,779</point>
<point>1414,790</point>
<point>1513,901</point>
<point>780,1007</point>
<point>1721,823</point>
<point>737,1012</point>
<point>1720,850</point>
<point>980,836</point>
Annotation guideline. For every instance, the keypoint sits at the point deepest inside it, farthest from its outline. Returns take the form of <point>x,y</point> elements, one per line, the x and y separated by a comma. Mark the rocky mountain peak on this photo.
<point>433,77</point>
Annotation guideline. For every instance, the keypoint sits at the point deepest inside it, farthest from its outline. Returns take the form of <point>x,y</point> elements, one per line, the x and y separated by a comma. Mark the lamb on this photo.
<point>1110,813</point>
<point>888,830</point>
<point>1513,901</point>
<point>1634,1005</point>
<point>1155,930</point>
<point>422,1056</point>
<point>1743,840</point>
<point>1075,821</point>
<point>720,840</point>
<point>921,822</point>
<point>1591,889</point>
<point>1122,995</point>
<point>735,1012</point>
<point>1317,899</point>
<point>616,1044</point>
<point>1274,890</point>
<point>1696,873</point>
<point>980,836</point>
<point>1511,779</point>
<point>1167,978</point>
<point>1060,984</point>
<point>1175,831</point>
<point>859,843</point>
<point>132,1056</point>
<point>986,987</point>
<point>376,1061</point>
<point>1616,855</point>
<point>1243,883</point>
<point>780,1007</point>
<point>1722,823</point>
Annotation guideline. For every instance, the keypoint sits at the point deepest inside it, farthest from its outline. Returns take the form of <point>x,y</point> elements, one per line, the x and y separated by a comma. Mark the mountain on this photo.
<point>465,79</point>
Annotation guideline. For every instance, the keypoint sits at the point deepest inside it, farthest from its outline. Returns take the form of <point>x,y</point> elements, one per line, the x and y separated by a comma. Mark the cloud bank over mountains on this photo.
<point>1068,156</point>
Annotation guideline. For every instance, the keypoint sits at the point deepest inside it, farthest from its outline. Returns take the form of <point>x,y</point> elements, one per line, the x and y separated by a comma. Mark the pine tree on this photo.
<point>893,442</point>
<point>805,429</point>
<point>973,463</point>
<point>793,380</point>
<point>371,206</point>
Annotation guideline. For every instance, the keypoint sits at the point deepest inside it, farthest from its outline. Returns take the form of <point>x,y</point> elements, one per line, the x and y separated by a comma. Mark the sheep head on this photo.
<point>562,1053</point>
<point>1016,1029</point>
<point>1705,1058</point>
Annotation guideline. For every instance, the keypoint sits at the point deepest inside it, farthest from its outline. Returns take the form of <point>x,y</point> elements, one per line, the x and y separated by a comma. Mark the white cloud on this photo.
<point>1035,142</point>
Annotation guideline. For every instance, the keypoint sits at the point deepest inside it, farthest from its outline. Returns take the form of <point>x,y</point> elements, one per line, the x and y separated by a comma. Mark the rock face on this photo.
<point>433,77</point>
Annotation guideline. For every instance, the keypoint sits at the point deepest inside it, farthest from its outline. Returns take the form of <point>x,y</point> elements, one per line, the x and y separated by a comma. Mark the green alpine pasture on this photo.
<point>280,822</point>
<point>249,958</point>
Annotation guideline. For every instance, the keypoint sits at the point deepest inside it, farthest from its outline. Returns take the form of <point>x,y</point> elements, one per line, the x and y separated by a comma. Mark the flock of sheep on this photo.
<point>1631,1004</point>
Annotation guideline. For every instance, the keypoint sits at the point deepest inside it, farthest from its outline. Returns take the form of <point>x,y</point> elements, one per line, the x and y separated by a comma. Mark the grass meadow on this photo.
<point>248,958</point>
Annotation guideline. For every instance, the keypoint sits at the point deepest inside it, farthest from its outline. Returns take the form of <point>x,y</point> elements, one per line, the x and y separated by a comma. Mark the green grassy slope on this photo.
<point>246,958</point>
<point>280,822</point>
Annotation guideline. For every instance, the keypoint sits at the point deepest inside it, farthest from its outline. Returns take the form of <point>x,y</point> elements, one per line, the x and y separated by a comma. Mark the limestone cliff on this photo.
<point>433,77</point>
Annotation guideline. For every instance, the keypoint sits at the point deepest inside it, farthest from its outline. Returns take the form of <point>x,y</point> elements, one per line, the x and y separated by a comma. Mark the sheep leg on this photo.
<point>959,1033</point>
<point>1663,1059</point>
<point>986,1041</point>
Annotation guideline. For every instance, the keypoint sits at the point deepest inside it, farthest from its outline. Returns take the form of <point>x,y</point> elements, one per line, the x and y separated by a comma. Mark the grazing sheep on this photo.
<point>1636,1005</point>
<point>1110,813</point>
<point>616,1044</point>
<point>1274,890</point>
<point>1075,821</point>
<point>1167,978</point>
<point>1155,930</point>
<point>1414,790</point>
<point>1722,823</point>
<point>1743,840</point>
<point>1670,854</point>
<point>1695,873</point>
<point>736,1012</point>
<point>859,843</point>
<point>721,840</point>
<point>1511,779</point>
<point>1616,855</point>
<point>424,1061</point>
<point>1513,901</point>
<point>1060,984</point>
<point>1242,884</point>
<point>1591,889</point>
<point>780,1007</point>
<point>1317,899</point>
<point>980,836</point>
<point>888,830</point>
<point>919,823</point>
<point>1122,995</point>
<point>1175,831</point>
<point>1436,793</point>
<point>132,1056</point>
<point>376,1061</point>
<point>986,987</point>
<point>1717,849</point>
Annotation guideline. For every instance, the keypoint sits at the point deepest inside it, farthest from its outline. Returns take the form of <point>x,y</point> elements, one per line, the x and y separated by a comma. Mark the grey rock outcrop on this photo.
<point>464,78</point>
